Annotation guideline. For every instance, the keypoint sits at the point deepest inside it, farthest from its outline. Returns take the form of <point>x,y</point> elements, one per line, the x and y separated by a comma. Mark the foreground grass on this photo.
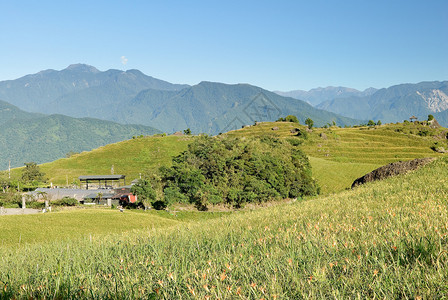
<point>88,223</point>
<point>384,240</point>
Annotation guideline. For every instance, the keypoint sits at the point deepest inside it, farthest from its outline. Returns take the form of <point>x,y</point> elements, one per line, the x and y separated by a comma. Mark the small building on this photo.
<point>102,181</point>
<point>59,193</point>
<point>104,198</point>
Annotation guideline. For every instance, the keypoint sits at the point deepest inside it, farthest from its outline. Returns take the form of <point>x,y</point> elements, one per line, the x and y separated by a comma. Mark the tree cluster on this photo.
<point>230,171</point>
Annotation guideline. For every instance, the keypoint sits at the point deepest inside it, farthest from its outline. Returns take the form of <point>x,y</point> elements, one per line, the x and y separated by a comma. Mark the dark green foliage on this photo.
<point>10,199</point>
<point>378,123</point>
<point>236,172</point>
<point>145,192</point>
<point>424,132</point>
<point>295,142</point>
<point>66,201</point>
<point>430,117</point>
<point>289,118</point>
<point>309,122</point>
<point>32,173</point>
<point>302,134</point>
<point>187,131</point>
<point>371,123</point>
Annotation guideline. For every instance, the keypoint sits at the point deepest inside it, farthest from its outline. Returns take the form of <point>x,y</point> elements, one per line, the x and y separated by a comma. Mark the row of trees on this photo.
<point>231,171</point>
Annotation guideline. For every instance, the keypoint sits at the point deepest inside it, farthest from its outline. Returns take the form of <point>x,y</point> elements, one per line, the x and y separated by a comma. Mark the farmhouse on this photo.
<point>95,189</point>
<point>102,181</point>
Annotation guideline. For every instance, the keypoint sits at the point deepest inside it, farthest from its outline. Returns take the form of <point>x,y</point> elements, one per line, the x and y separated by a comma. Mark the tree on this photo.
<point>430,117</point>
<point>291,118</point>
<point>32,173</point>
<point>145,192</point>
<point>379,123</point>
<point>309,122</point>
<point>187,131</point>
<point>100,197</point>
<point>371,123</point>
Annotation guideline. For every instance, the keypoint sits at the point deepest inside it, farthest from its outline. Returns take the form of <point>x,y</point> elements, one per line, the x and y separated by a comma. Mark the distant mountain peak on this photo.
<point>82,68</point>
<point>436,100</point>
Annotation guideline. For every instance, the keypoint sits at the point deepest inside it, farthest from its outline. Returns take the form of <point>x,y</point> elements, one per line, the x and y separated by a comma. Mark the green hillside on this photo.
<point>337,160</point>
<point>344,154</point>
<point>129,157</point>
<point>386,240</point>
<point>47,138</point>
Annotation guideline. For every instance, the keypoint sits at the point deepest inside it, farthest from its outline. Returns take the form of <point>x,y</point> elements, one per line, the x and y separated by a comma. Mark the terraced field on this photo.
<point>340,155</point>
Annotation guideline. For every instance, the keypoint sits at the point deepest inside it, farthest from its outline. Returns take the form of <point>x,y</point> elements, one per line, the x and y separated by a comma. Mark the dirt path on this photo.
<point>18,211</point>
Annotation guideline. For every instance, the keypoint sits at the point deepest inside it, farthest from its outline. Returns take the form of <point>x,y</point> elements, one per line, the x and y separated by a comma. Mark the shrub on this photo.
<point>309,122</point>
<point>423,132</point>
<point>291,118</point>
<point>295,142</point>
<point>302,134</point>
<point>66,201</point>
<point>235,171</point>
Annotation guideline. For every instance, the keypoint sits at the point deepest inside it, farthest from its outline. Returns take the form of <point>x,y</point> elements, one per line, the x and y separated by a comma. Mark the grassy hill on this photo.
<point>129,157</point>
<point>383,240</point>
<point>340,155</point>
<point>337,158</point>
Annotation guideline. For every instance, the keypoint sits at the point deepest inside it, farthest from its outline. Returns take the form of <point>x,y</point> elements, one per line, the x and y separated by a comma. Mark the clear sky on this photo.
<point>277,45</point>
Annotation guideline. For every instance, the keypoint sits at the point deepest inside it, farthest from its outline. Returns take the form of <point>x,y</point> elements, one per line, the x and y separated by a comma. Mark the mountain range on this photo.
<point>51,113</point>
<point>396,103</point>
<point>319,95</point>
<point>130,97</point>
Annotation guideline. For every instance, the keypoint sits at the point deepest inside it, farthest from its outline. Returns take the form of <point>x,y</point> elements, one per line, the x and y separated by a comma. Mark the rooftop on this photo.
<point>101,177</point>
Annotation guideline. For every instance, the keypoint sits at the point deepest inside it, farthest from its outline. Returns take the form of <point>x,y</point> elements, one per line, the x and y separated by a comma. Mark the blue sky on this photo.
<point>278,45</point>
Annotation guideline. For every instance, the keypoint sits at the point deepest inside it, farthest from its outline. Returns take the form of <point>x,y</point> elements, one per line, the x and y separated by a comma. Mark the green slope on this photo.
<point>47,138</point>
<point>383,240</point>
<point>346,153</point>
<point>349,153</point>
<point>129,157</point>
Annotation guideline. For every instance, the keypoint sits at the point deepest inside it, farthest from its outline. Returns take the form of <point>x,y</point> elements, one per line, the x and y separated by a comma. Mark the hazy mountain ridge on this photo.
<point>77,89</point>
<point>318,95</point>
<point>211,107</point>
<point>396,103</point>
<point>131,97</point>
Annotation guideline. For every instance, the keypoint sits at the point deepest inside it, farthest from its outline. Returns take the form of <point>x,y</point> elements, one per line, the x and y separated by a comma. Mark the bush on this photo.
<point>302,134</point>
<point>66,201</point>
<point>424,132</point>
<point>295,142</point>
<point>235,172</point>
<point>35,204</point>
